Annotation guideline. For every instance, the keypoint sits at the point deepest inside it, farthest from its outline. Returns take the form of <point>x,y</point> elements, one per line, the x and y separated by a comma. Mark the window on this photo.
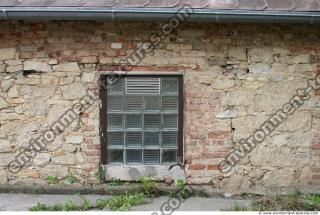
<point>141,121</point>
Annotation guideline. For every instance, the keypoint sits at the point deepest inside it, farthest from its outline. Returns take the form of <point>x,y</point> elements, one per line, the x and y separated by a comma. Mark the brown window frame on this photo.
<point>103,115</point>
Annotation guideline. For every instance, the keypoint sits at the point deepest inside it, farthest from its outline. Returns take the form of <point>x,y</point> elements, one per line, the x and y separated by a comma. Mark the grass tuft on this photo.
<point>52,179</point>
<point>295,202</point>
<point>117,203</point>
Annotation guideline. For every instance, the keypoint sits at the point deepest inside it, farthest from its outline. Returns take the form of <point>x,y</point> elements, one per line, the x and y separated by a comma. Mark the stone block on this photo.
<point>37,66</point>
<point>8,53</point>
<point>73,91</point>
<point>66,67</point>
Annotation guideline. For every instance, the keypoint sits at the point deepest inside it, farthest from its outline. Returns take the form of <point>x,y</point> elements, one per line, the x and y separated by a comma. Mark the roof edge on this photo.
<point>156,14</point>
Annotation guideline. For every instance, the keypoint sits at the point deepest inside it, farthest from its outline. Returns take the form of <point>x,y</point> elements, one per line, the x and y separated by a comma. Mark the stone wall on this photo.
<point>235,76</point>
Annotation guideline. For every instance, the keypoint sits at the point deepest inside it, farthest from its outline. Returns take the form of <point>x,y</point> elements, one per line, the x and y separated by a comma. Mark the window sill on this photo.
<point>135,172</point>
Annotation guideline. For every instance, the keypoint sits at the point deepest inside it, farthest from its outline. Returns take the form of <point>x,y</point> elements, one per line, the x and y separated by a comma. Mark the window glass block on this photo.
<point>152,103</point>
<point>134,139</point>
<point>115,138</point>
<point>151,138</point>
<point>133,121</point>
<point>169,139</point>
<point>133,103</point>
<point>170,103</point>
<point>151,157</point>
<point>115,121</point>
<point>152,121</point>
<point>169,156</point>
<point>115,103</point>
<point>116,88</point>
<point>142,120</point>
<point>169,86</point>
<point>134,156</point>
<point>170,121</point>
<point>115,156</point>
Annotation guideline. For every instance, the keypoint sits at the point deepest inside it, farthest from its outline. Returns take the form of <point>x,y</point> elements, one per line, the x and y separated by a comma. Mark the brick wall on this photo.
<point>235,76</point>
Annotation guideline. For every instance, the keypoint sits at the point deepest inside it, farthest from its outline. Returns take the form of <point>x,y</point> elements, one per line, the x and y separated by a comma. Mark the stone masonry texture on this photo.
<point>235,77</point>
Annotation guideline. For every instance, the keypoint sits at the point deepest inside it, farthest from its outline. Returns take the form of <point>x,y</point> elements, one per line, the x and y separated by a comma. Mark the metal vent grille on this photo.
<point>142,86</point>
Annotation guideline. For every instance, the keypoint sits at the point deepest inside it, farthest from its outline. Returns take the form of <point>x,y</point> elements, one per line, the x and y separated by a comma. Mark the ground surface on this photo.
<point>21,202</point>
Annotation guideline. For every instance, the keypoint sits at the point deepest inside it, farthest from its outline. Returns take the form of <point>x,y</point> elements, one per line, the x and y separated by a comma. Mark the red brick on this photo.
<point>213,167</point>
<point>316,177</point>
<point>188,161</point>
<point>196,166</point>
<point>315,146</point>
<point>315,182</point>
<point>88,141</point>
<point>89,127</point>
<point>317,92</point>
<point>219,135</point>
<point>214,155</point>
<point>91,152</point>
<point>93,147</point>
<point>85,115</point>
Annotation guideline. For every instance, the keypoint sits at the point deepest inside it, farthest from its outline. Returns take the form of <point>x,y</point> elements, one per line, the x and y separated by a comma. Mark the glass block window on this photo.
<point>143,120</point>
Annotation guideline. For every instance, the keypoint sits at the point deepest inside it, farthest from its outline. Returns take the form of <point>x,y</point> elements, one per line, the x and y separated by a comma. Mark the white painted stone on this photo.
<point>3,103</point>
<point>75,139</point>
<point>299,68</point>
<point>13,62</point>
<point>8,53</point>
<point>13,92</point>
<point>16,68</point>
<point>237,53</point>
<point>3,177</point>
<point>88,77</point>
<point>66,67</point>
<point>2,68</point>
<point>259,68</point>
<point>29,81</point>
<point>54,170</point>
<point>301,59</point>
<point>36,66</point>
<point>53,62</point>
<point>66,80</point>
<point>42,159</point>
<point>73,91</point>
<point>227,114</point>
<point>5,145</point>
<point>260,55</point>
<point>223,84</point>
<point>6,84</point>
<point>116,45</point>
<point>6,158</point>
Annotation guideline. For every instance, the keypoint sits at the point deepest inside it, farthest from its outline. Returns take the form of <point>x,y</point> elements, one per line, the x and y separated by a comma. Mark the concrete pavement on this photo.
<point>21,202</point>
